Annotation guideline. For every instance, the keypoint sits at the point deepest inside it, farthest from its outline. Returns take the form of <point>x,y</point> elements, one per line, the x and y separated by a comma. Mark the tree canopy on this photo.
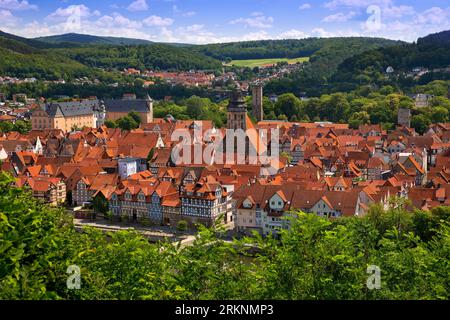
<point>315,259</point>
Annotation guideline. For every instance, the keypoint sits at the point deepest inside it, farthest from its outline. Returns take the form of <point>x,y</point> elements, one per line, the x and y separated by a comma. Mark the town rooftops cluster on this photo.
<point>326,169</point>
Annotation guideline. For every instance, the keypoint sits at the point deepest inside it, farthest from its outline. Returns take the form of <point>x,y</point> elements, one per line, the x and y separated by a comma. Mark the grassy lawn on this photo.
<point>264,62</point>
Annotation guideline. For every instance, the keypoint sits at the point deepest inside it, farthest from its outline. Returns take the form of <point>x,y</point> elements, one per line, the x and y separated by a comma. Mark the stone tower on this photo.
<point>258,110</point>
<point>237,111</point>
<point>150,109</point>
<point>100,114</point>
<point>404,117</point>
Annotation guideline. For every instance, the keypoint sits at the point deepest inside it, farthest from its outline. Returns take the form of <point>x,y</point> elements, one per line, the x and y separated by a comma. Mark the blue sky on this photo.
<point>211,21</point>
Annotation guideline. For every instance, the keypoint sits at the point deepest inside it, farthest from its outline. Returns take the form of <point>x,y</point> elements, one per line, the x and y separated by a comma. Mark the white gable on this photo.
<point>276,203</point>
<point>3,154</point>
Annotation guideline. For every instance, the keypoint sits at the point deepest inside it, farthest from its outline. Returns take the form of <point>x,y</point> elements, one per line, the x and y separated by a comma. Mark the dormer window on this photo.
<point>247,204</point>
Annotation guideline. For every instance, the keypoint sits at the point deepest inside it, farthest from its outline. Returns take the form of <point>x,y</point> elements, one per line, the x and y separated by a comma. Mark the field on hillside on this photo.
<point>265,62</point>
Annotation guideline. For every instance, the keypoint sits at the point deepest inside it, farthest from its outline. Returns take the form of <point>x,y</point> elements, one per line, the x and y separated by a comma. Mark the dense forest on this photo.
<point>74,39</point>
<point>156,56</point>
<point>430,52</point>
<point>20,60</point>
<point>104,91</point>
<point>316,259</point>
<point>313,79</point>
<point>284,48</point>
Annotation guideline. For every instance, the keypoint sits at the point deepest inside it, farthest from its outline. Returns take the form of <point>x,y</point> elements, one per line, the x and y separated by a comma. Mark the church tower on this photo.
<point>237,111</point>
<point>99,114</point>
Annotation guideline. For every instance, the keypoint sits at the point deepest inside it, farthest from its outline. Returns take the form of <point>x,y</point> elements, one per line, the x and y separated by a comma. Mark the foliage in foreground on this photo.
<point>316,259</point>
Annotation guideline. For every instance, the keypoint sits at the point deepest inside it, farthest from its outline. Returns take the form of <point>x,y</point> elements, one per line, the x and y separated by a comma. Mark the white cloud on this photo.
<point>434,16</point>
<point>305,6</point>
<point>334,4</point>
<point>105,26</point>
<point>432,20</point>
<point>119,21</point>
<point>322,33</point>
<point>189,14</point>
<point>156,21</point>
<point>339,17</point>
<point>17,5</point>
<point>7,19</point>
<point>138,5</point>
<point>292,34</point>
<point>398,11</point>
<point>183,13</point>
<point>258,21</point>
<point>71,10</point>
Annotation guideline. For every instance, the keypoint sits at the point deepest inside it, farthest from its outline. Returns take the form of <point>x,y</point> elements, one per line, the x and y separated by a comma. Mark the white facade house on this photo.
<point>128,167</point>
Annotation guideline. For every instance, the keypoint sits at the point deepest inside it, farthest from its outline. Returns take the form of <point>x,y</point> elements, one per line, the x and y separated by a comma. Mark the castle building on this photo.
<point>116,109</point>
<point>65,116</point>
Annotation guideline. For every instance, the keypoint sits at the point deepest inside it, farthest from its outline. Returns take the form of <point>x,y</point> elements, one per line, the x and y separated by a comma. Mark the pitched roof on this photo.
<point>71,108</point>
<point>126,106</point>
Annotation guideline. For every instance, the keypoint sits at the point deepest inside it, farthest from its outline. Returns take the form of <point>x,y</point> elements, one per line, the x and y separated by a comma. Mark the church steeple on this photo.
<point>237,111</point>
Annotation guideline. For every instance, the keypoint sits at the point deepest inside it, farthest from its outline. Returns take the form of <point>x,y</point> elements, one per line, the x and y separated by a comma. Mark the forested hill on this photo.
<point>286,48</point>
<point>21,57</point>
<point>441,38</point>
<point>154,56</point>
<point>21,60</point>
<point>72,55</point>
<point>84,39</point>
<point>28,42</point>
<point>431,52</point>
<point>314,78</point>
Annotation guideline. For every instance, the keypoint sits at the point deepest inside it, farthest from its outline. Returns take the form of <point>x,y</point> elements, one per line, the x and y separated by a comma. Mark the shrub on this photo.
<point>182,225</point>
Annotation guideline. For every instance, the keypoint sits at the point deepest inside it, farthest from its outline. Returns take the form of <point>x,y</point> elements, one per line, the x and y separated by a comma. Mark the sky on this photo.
<point>213,21</point>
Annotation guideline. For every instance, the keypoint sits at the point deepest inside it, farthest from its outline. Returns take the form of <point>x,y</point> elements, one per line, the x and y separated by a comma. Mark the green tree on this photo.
<point>22,127</point>
<point>288,105</point>
<point>420,123</point>
<point>127,123</point>
<point>196,106</point>
<point>6,126</point>
<point>110,124</point>
<point>100,204</point>
<point>136,117</point>
<point>359,118</point>
<point>182,225</point>
<point>439,114</point>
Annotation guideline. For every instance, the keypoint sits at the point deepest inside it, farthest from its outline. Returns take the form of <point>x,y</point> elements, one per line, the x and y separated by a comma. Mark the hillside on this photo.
<point>155,56</point>
<point>431,52</point>
<point>267,49</point>
<point>83,39</point>
<point>24,58</point>
<point>324,61</point>
<point>21,60</point>
<point>333,62</point>
<point>28,42</point>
